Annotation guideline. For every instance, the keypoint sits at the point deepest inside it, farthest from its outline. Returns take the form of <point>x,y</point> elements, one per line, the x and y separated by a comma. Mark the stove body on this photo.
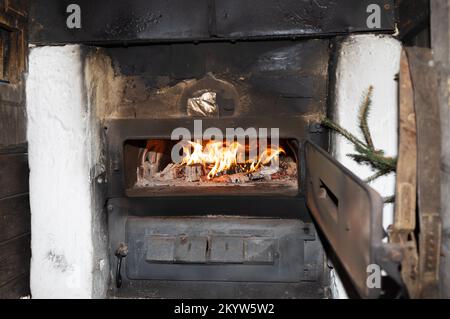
<point>236,239</point>
<point>273,70</point>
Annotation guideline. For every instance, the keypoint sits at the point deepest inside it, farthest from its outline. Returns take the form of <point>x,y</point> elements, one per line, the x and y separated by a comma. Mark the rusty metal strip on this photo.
<point>402,232</point>
<point>425,86</point>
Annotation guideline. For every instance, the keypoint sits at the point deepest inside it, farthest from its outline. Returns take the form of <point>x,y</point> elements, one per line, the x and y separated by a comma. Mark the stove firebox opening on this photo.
<point>166,167</point>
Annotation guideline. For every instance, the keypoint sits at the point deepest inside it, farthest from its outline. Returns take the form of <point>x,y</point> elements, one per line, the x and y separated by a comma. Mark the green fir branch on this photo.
<point>389,200</point>
<point>364,112</point>
<point>376,176</point>
<point>366,153</point>
<point>346,134</point>
<point>377,162</point>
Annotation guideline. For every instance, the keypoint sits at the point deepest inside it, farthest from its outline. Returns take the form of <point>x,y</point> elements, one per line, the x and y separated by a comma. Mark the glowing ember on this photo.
<point>219,158</point>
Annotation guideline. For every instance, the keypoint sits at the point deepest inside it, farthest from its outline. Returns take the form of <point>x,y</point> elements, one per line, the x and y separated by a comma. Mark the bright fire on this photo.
<point>221,157</point>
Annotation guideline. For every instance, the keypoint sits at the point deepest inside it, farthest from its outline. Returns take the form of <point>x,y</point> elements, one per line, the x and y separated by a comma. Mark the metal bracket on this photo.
<point>389,258</point>
<point>121,253</point>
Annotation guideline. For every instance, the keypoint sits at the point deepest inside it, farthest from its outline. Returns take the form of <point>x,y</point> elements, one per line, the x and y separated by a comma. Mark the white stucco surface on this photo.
<point>60,157</point>
<point>366,60</point>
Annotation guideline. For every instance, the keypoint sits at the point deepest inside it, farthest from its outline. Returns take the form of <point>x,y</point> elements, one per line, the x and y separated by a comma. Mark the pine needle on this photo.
<point>364,112</point>
<point>346,134</point>
<point>366,152</point>
<point>376,176</point>
<point>389,200</point>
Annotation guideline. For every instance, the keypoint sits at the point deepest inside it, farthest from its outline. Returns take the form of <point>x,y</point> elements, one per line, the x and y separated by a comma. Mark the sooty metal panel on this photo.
<point>256,18</point>
<point>218,249</point>
<point>226,249</point>
<point>191,249</point>
<point>160,248</point>
<point>259,250</point>
<point>113,21</point>
<point>119,21</point>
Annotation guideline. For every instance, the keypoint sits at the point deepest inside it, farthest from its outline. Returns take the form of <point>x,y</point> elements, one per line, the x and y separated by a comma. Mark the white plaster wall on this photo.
<point>365,60</point>
<point>62,159</point>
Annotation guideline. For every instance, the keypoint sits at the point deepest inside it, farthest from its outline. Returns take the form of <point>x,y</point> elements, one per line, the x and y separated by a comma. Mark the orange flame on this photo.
<point>220,157</point>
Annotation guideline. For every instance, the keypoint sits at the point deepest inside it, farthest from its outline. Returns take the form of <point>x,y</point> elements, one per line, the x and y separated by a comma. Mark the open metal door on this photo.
<point>349,214</point>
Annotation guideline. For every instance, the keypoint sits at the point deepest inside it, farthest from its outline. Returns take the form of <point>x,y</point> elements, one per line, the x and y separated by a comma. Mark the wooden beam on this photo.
<point>14,200</point>
<point>17,287</point>
<point>440,41</point>
<point>13,174</point>
<point>15,259</point>
<point>14,216</point>
<point>406,186</point>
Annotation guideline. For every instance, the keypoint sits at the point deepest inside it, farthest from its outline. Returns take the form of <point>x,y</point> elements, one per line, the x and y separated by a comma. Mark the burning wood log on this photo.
<point>240,178</point>
<point>193,173</point>
<point>289,167</point>
<point>169,173</point>
<point>153,164</point>
<point>217,164</point>
<point>264,173</point>
<point>225,179</point>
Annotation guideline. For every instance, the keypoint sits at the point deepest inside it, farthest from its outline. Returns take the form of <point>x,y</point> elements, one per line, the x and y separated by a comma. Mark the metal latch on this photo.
<point>121,253</point>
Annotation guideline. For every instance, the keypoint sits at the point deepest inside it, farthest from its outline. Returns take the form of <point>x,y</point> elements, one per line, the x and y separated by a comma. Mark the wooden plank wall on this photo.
<point>15,249</point>
<point>440,36</point>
